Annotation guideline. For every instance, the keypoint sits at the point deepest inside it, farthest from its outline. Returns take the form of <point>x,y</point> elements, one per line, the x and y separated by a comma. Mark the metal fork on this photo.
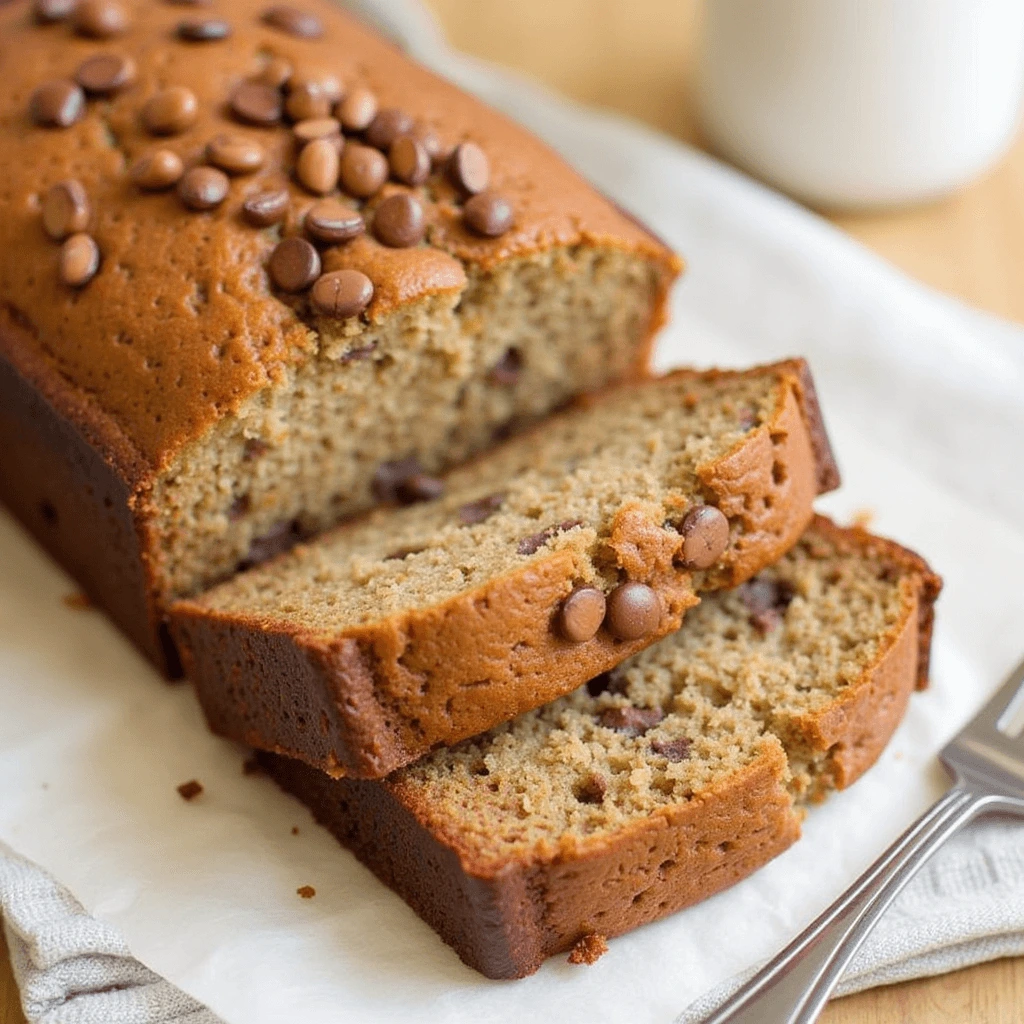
<point>986,761</point>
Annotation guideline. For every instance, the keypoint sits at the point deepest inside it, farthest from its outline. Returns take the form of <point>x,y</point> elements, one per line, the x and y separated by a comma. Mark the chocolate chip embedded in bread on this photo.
<point>100,19</point>
<point>316,128</point>
<point>363,170</point>
<point>294,21</point>
<point>357,109</point>
<point>468,168</point>
<point>390,475</point>
<point>266,208</point>
<point>507,370</point>
<point>256,103</point>
<point>79,260</point>
<point>331,222</point>
<point>203,188</point>
<point>591,789</point>
<point>317,167</point>
<point>673,750</point>
<point>190,790</point>
<point>634,611</point>
<point>398,222</point>
<point>307,101</point>
<point>431,143</point>
<point>276,541</point>
<point>482,509</point>
<point>294,265</point>
<point>705,531</point>
<point>528,545</point>
<point>65,209</point>
<point>170,111</point>
<point>203,30</point>
<point>341,294</point>
<point>46,12</point>
<point>419,487</point>
<point>105,73</point>
<point>157,171</point>
<point>57,104</point>
<point>276,73</point>
<point>488,214</point>
<point>767,600</point>
<point>629,720</point>
<point>235,155</point>
<point>581,614</point>
<point>410,162</point>
<point>386,126</point>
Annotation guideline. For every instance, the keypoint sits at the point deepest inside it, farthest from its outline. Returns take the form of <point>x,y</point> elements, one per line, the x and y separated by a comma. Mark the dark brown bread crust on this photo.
<point>372,698</point>
<point>112,416</point>
<point>504,919</point>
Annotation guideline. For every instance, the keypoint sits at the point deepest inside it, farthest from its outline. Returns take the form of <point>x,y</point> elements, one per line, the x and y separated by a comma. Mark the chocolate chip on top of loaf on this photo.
<point>513,579</point>
<point>469,282</point>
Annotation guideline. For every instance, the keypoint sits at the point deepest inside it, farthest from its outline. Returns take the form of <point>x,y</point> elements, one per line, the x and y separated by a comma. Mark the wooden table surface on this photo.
<point>636,57</point>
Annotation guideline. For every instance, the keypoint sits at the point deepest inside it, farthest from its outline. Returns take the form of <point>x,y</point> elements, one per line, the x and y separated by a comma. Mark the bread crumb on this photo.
<point>863,517</point>
<point>307,892</point>
<point>589,949</point>
<point>190,790</point>
<point>78,601</point>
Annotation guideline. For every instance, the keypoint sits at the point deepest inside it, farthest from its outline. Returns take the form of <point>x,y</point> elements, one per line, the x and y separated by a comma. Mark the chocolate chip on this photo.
<point>363,171</point>
<point>474,512</point>
<point>631,721</point>
<point>341,294</point>
<point>190,790</point>
<point>293,21</point>
<point>57,104</point>
<point>331,222</point>
<point>404,552</point>
<point>79,260</point>
<point>157,170</point>
<point>528,545</point>
<point>591,789</point>
<point>239,508</point>
<point>386,127</point>
<point>105,73</point>
<point>705,533</point>
<point>767,600</point>
<point>316,128</point>
<point>410,162</point>
<point>360,352</point>
<point>507,370</point>
<point>100,19</point>
<point>317,167</point>
<point>674,750</point>
<point>234,155</point>
<point>390,475</point>
<point>276,73</point>
<point>398,222</point>
<point>294,265</point>
<point>170,111</point>
<point>256,103</point>
<point>276,541</point>
<point>254,449</point>
<point>581,614</point>
<point>203,188</point>
<point>431,143</point>
<point>488,214</point>
<point>327,84</point>
<point>65,209</point>
<point>634,611</point>
<point>203,30</point>
<point>357,109</point>
<point>266,208</point>
<point>468,168</point>
<point>46,12</point>
<point>306,101</point>
<point>419,487</point>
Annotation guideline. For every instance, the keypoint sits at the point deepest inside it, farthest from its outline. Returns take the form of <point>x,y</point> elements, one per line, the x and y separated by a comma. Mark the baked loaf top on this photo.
<point>544,562</point>
<point>658,783</point>
<point>182,323</point>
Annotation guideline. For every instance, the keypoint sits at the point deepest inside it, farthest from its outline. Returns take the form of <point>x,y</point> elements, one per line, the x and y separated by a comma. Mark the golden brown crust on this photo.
<point>428,686</point>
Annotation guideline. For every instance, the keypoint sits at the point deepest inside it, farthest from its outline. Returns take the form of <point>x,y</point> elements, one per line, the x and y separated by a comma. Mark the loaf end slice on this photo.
<point>657,784</point>
<point>419,626</point>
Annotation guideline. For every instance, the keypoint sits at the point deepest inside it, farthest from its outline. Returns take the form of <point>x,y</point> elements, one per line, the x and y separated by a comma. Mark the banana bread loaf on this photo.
<point>544,562</point>
<point>657,784</point>
<point>246,258</point>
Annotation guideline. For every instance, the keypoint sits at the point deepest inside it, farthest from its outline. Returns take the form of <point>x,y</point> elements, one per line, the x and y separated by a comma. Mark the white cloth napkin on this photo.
<point>924,398</point>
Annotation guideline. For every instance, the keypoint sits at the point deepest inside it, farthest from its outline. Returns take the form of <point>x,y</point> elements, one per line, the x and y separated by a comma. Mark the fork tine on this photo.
<point>992,713</point>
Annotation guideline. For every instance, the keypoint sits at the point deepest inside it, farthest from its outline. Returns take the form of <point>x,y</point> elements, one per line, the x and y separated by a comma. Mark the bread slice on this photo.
<point>657,784</point>
<point>412,627</point>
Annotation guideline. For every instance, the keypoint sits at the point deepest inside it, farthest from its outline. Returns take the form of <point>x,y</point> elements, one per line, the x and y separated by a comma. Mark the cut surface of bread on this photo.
<point>415,626</point>
<point>660,782</point>
<point>181,412</point>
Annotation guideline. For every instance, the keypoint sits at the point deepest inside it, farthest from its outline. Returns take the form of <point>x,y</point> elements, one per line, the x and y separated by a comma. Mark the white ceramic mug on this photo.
<point>862,102</point>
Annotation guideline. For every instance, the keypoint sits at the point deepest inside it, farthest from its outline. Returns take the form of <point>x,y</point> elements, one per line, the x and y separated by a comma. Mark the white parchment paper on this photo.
<point>924,401</point>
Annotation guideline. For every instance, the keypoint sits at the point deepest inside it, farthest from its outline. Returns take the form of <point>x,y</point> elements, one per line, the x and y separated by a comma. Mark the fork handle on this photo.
<point>794,987</point>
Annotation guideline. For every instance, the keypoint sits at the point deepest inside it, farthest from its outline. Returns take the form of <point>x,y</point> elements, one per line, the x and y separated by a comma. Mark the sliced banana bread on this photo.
<point>247,256</point>
<point>659,783</point>
<point>543,563</point>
